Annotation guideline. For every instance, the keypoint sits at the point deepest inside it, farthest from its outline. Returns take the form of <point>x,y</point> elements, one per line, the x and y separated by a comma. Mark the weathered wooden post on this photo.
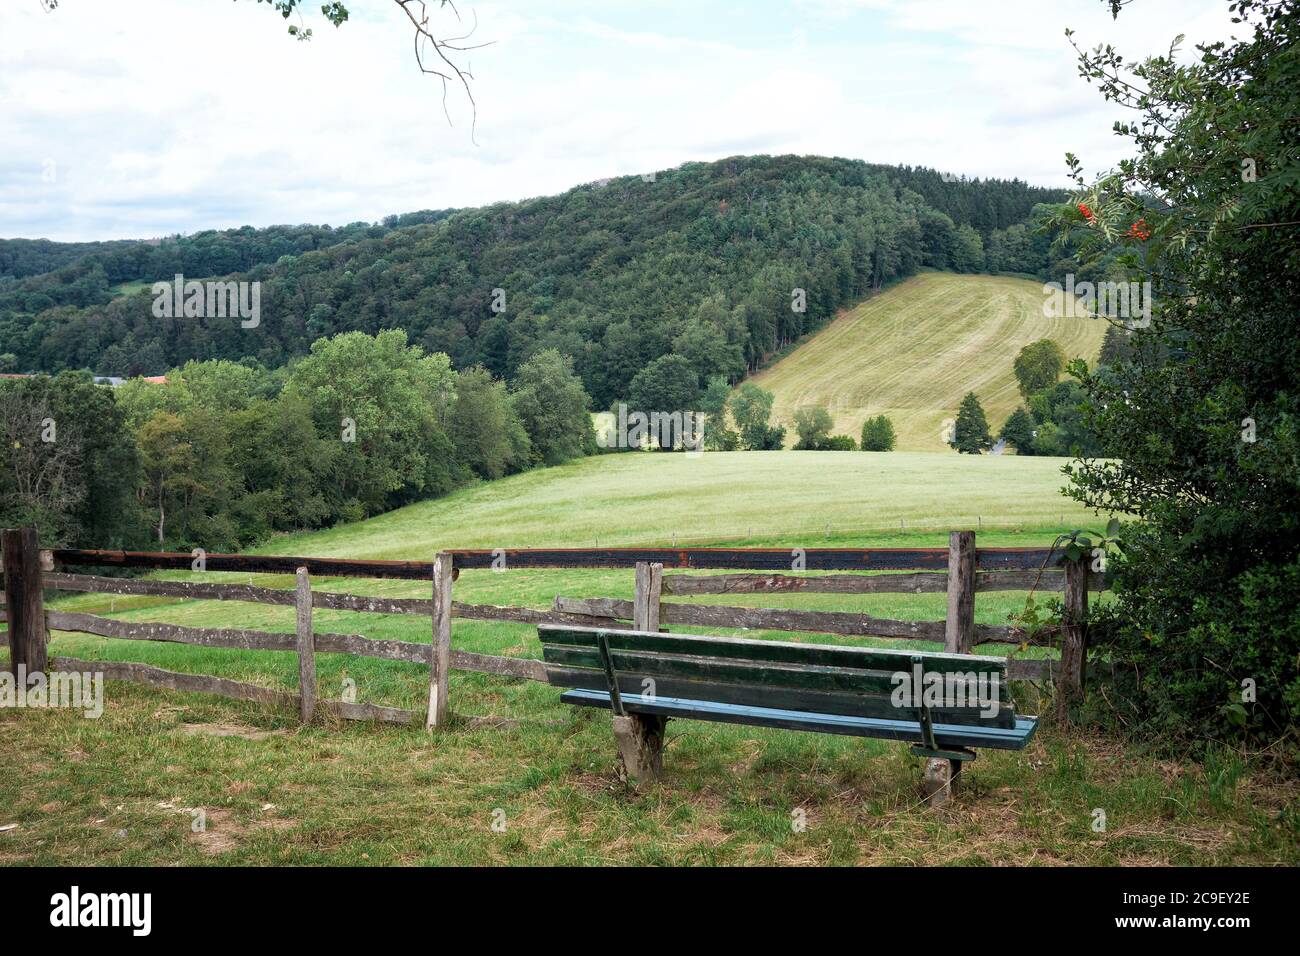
<point>1074,637</point>
<point>440,657</point>
<point>649,587</point>
<point>939,780</point>
<point>959,632</point>
<point>306,648</point>
<point>24,600</point>
<point>941,776</point>
<point>640,739</point>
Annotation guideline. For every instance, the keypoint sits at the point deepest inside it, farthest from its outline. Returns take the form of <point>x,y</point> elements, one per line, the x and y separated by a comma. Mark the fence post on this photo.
<point>959,631</point>
<point>440,658</point>
<point>649,586</point>
<point>1074,637</point>
<point>24,600</point>
<point>306,649</point>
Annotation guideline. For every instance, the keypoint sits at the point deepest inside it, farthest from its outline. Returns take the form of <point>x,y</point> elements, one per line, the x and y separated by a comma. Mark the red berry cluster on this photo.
<point>1139,230</point>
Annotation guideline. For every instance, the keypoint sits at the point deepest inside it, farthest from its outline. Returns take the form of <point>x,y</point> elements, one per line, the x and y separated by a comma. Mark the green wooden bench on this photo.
<point>648,677</point>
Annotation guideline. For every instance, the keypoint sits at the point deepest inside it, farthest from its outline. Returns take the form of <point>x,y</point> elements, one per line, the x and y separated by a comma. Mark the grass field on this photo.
<point>782,497</point>
<point>913,351</point>
<point>120,789</point>
<point>130,288</point>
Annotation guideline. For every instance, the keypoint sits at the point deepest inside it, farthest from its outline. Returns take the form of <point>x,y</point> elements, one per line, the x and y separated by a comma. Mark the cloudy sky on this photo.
<point>139,118</point>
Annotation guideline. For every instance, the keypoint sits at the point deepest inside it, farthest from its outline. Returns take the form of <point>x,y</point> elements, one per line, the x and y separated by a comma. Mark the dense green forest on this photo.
<point>87,273</point>
<point>29,257</point>
<point>701,261</point>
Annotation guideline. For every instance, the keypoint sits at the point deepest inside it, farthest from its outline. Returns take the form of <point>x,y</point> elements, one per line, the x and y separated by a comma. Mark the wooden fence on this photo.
<point>961,571</point>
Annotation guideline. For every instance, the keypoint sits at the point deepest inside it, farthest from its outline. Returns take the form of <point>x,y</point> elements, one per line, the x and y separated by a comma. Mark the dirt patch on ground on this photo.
<point>220,833</point>
<point>229,730</point>
<point>596,783</point>
<point>216,831</point>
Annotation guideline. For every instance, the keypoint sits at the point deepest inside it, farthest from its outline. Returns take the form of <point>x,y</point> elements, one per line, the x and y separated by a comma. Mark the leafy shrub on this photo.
<point>1186,649</point>
<point>878,434</point>
<point>1201,423</point>
<point>838,443</point>
<point>719,437</point>
<point>765,438</point>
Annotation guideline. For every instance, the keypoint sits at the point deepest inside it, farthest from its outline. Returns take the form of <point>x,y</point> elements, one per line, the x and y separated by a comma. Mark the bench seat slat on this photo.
<point>785,698</point>
<point>771,674</point>
<point>789,652</point>
<point>946,735</point>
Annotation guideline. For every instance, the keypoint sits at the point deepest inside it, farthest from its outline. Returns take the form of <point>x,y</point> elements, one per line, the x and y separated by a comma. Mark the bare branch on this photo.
<point>448,71</point>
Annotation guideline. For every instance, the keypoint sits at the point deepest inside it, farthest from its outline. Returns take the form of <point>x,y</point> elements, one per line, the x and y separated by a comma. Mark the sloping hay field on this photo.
<point>913,351</point>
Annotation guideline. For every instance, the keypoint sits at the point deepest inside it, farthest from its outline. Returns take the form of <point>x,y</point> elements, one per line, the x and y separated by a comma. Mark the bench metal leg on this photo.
<point>940,780</point>
<point>640,740</point>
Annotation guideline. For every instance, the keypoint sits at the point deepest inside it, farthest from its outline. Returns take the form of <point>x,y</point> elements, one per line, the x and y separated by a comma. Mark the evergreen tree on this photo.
<point>1116,346</point>
<point>1018,431</point>
<point>971,435</point>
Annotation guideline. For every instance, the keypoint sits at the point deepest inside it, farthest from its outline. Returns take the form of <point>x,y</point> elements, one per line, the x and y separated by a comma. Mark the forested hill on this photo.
<point>702,260</point>
<point>86,273</point>
<point>20,258</point>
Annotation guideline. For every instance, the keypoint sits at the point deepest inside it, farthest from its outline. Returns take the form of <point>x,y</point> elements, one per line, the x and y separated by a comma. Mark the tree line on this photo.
<point>225,454</point>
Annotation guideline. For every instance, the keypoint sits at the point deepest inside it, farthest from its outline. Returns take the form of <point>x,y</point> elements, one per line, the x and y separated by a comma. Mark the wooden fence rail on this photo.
<point>923,582</point>
<point>223,687</point>
<point>322,599</point>
<point>271,641</point>
<point>961,570</point>
<point>846,623</point>
<point>748,559</point>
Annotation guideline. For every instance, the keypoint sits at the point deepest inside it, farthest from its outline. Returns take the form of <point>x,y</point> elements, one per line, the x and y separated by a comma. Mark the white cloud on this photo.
<point>160,116</point>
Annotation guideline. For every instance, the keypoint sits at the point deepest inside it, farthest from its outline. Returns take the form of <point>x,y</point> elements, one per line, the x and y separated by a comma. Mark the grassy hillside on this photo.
<point>913,351</point>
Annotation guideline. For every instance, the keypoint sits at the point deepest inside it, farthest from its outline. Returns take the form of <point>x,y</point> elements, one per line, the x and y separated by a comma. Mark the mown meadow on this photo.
<point>520,778</point>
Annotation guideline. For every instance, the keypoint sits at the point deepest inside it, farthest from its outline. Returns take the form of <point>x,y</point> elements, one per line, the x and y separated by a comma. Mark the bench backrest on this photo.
<point>812,678</point>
